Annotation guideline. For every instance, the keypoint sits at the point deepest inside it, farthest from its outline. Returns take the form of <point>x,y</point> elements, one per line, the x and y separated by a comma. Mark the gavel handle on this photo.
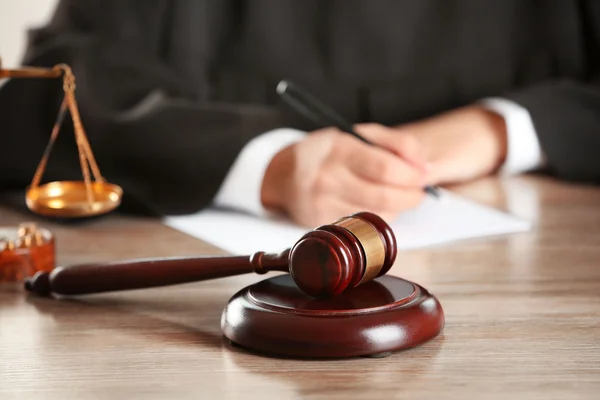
<point>152,272</point>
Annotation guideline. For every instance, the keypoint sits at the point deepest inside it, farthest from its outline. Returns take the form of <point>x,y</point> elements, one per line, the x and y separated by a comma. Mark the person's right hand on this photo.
<point>331,174</point>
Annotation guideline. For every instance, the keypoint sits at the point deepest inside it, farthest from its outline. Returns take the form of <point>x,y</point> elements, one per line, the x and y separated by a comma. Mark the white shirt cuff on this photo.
<point>524,152</point>
<point>241,189</point>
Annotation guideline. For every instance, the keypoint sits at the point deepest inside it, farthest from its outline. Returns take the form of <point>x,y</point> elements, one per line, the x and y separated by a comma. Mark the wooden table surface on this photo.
<point>522,318</point>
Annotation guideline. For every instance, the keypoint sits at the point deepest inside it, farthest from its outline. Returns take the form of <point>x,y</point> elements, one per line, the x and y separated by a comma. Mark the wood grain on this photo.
<point>522,318</point>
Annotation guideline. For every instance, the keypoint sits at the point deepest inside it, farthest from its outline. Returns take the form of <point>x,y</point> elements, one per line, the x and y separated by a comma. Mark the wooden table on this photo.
<point>522,318</point>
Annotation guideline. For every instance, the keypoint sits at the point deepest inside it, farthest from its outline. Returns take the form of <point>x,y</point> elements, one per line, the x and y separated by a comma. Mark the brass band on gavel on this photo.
<point>373,245</point>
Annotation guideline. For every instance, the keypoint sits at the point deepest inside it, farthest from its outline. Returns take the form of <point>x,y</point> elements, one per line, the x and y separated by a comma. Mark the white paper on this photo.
<point>447,219</point>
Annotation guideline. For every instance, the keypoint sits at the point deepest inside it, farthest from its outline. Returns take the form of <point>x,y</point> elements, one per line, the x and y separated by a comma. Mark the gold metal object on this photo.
<point>372,243</point>
<point>67,199</point>
<point>70,199</point>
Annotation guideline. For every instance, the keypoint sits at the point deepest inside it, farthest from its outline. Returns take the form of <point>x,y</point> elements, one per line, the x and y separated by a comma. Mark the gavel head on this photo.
<point>342,255</point>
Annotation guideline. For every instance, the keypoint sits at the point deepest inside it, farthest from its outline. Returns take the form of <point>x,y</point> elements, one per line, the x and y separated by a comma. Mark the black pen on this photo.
<point>322,114</point>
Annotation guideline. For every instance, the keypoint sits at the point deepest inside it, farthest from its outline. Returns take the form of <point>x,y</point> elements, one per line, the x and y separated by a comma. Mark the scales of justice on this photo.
<point>333,300</point>
<point>67,199</point>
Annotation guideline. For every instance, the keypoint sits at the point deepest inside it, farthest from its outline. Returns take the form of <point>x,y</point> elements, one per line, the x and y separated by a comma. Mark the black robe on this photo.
<point>171,90</point>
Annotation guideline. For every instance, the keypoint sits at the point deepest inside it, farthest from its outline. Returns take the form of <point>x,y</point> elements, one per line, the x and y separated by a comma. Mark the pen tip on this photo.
<point>433,191</point>
<point>282,87</point>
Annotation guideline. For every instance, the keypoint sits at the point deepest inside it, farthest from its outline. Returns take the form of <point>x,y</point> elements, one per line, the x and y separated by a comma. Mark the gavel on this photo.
<point>324,262</point>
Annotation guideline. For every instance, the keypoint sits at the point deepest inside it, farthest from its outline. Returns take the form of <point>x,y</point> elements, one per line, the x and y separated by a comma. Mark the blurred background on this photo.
<point>16,17</point>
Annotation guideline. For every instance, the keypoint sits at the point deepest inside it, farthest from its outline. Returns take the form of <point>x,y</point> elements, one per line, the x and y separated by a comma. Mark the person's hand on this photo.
<point>460,145</point>
<point>331,174</point>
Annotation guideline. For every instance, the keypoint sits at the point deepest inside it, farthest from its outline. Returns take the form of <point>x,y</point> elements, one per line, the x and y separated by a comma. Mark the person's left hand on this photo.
<point>460,145</point>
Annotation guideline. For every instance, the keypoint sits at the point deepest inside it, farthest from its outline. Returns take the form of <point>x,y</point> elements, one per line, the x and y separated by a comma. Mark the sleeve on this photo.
<point>566,117</point>
<point>566,112</point>
<point>524,152</point>
<point>241,189</point>
<point>169,147</point>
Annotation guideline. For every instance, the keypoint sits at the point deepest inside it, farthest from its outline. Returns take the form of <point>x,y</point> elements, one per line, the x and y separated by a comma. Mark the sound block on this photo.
<point>374,319</point>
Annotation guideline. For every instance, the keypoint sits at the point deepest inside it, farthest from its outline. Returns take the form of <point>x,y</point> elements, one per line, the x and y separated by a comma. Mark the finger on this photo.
<point>370,196</point>
<point>379,165</point>
<point>403,144</point>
